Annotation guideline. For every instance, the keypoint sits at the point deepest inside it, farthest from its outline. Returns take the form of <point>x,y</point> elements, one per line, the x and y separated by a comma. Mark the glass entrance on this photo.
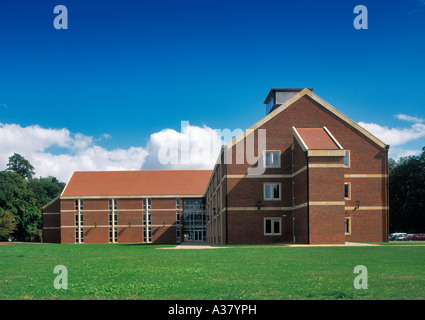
<point>194,220</point>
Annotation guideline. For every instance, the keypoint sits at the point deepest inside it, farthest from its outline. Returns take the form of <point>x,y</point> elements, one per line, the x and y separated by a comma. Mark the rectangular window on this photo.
<point>178,235</point>
<point>347,159</point>
<point>178,203</point>
<point>147,220</point>
<point>147,204</point>
<point>272,226</point>
<point>347,226</point>
<point>147,234</point>
<point>272,191</point>
<point>79,222</point>
<point>113,220</point>
<point>272,159</point>
<point>347,191</point>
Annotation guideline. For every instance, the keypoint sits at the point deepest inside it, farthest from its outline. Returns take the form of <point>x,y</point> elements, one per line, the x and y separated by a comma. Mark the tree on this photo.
<point>19,200</point>
<point>21,166</point>
<point>45,189</point>
<point>22,197</point>
<point>407,194</point>
<point>7,223</point>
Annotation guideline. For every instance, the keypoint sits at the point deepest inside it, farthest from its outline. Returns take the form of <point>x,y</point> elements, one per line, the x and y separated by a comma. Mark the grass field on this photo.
<point>130,271</point>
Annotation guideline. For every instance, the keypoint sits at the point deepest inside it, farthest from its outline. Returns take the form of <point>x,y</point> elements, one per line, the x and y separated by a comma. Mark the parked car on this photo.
<point>397,235</point>
<point>415,237</point>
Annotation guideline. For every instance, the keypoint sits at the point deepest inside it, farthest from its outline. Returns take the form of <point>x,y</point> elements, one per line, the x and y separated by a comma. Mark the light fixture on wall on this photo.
<point>357,204</point>
<point>259,204</point>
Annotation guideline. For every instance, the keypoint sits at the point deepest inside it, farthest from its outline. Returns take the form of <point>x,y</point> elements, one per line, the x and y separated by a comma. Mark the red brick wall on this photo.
<point>51,222</point>
<point>326,225</point>
<point>325,184</point>
<point>129,220</point>
<point>247,227</point>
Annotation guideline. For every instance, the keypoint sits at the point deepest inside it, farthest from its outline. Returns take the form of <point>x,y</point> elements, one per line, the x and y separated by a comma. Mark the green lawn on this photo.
<point>120,271</point>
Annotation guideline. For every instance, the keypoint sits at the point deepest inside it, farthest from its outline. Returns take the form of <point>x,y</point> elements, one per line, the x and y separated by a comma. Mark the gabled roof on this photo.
<point>137,183</point>
<point>321,102</point>
<point>316,139</point>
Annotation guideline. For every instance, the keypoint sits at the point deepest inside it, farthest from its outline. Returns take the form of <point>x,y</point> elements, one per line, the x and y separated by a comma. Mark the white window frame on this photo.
<point>349,190</point>
<point>272,164</point>
<point>272,221</point>
<point>79,220</point>
<point>272,184</point>
<point>349,226</point>
<point>348,155</point>
<point>113,220</point>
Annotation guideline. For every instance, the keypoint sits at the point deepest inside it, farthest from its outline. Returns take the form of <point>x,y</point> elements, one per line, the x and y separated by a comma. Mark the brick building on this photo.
<point>305,173</point>
<point>129,207</point>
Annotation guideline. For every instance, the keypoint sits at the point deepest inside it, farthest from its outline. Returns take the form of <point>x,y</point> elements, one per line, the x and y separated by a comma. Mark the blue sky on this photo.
<point>126,70</point>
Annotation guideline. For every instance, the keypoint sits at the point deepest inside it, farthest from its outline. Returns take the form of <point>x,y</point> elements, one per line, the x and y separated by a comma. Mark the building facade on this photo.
<point>319,178</point>
<point>129,207</point>
<point>305,173</point>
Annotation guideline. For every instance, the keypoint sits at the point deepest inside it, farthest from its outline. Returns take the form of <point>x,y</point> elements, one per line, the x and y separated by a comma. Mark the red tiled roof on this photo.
<point>317,138</point>
<point>135,183</point>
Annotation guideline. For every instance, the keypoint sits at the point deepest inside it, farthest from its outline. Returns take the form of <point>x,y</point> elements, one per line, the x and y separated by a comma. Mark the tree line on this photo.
<point>407,194</point>
<point>22,197</point>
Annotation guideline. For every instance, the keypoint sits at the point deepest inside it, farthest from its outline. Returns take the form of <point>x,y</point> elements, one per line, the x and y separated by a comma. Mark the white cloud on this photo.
<point>408,118</point>
<point>397,153</point>
<point>395,136</point>
<point>193,148</point>
<point>81,153</point>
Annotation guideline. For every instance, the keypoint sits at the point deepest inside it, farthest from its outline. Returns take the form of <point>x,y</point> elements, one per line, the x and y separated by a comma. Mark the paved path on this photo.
<point>203,245</point>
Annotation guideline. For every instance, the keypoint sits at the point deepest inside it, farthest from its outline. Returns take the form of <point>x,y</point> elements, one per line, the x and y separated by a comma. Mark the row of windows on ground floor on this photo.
<point>272,227</point>
<point>189,234</point>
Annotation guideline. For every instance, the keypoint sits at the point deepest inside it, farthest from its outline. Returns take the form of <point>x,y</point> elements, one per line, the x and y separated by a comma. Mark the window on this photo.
<point>113,221</point>
<point>272,159</point>
<point>272,191</point>
<point>347,191</point>
<point>147,234</point>
<point>272,226</point>
<point>178,217</point>
<point>147,203</point>
<point>347,226</point>
<point>178,236</point>
<point>347,159</point>
<point>79,232</point>
<point>147,220</point>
